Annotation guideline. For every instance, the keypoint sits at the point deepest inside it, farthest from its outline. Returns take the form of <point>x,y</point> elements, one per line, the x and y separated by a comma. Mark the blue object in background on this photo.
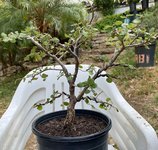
<point>127,20</point>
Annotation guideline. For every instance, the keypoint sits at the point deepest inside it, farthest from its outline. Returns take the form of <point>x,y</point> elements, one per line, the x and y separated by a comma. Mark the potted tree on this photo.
<point>62,130</point>
<point>72,129</point>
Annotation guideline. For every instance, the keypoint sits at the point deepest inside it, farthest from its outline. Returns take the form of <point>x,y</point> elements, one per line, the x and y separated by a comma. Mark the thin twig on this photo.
<point>51,55</point>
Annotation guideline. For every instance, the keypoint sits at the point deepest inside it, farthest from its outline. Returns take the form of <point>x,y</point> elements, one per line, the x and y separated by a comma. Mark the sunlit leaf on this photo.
<point>101,106</point>
<point>118,23</point>
<point>109,80</point>
<point>108,99</point>
<point>65,103</point>
<point>39,107</point>
<point>87,101</point>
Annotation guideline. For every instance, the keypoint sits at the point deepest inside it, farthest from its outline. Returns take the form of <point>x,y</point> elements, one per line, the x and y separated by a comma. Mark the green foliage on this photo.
<point>13,51</point>
<point>39,107</point>
<point>65,103</point>
<point>132,1</point>
<point>11,19</point>
<point>131,34</point>
<point>150,18</point>
<point>54,17</point>
<point>105,6</point>
<point>109,80</point>
<point>44,76</point>
<point>90,83</point>
<point>9,85</point>
<point>108,21</point>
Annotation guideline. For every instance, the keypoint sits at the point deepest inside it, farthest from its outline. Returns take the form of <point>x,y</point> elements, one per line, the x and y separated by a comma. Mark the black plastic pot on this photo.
<point>144,56</point>
<point>97,141</point>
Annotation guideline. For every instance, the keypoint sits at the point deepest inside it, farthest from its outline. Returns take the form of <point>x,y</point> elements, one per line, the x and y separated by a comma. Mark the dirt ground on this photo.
<point>142,94</point>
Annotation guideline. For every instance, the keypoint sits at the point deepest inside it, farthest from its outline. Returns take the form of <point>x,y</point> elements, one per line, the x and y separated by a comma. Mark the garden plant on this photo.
<point>122,37</point>
<point>53,17</point>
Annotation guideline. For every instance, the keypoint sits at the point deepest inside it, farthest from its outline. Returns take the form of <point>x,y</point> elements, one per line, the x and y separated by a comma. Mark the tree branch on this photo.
<point>51,55</point>
<point>97,74</point>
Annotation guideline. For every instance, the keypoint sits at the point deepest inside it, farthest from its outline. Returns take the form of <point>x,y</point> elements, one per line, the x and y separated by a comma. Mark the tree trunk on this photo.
<point>145,4</point>
<point>156,2</point>
<point>70,117</point>
<point>132,7</point>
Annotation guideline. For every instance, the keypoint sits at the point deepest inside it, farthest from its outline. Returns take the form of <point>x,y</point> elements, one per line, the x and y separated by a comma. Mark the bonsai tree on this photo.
<point>122,37</point>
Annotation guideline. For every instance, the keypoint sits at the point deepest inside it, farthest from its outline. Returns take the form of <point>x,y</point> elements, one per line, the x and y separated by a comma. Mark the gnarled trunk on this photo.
<point>70,117</point>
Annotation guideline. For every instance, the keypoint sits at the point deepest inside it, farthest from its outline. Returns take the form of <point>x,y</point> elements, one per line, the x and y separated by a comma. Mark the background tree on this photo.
<point>145,4</point>
<point>132,6</point>
<point>11,19</point>
<point>50,16</point>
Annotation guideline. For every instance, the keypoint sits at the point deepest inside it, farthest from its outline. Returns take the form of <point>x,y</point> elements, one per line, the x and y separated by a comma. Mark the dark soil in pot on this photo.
<point>90,131</point>
<point>84,125</point>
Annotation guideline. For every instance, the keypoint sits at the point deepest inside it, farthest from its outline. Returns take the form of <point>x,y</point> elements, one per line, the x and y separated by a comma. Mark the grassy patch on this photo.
<point>7,89</point>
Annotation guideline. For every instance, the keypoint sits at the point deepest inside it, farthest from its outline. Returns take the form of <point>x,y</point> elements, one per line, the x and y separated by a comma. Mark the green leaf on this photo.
<point>55,40</point>
<point>48,99</point>
<point>108,99</point>
<point>107,27</point>
<point>94,93</point>
<point>136,21</point>
<point>65,103</point>
<point>109,80</point>
<point>91,83</point>
<point>93,86</point>
<point>82,84</point>
<point>131,66</point>
<point>131,26</point>
<point>3,34</point>
<point>118,23</point>
<point>44,76</point>
<point>101,106</point>
<point>6,39</point>
<point>80,66</point>
<point>69,77</point>
<point>87,91</point>
<point>34,78</point>
<point>123,17</point>
<point>85,34</point>
<point>87,101</point>
<point>39,107</point>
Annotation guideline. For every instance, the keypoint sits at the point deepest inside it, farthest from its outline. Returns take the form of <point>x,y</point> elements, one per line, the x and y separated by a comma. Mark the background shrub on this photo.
<point>105,6</point>
<point>108,20</point>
